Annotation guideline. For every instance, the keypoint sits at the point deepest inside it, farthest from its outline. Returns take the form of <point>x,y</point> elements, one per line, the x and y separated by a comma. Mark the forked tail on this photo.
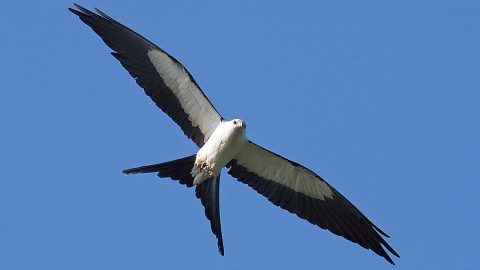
<point>179,169</point>
<point>207,191</point>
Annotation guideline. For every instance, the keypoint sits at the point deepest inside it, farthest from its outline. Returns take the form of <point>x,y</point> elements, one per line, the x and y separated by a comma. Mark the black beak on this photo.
<point>244,125</point>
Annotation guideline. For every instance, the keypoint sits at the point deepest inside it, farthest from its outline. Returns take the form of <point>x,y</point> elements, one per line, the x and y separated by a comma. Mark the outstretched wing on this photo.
<point>165,80</point>
<point>300,191</point>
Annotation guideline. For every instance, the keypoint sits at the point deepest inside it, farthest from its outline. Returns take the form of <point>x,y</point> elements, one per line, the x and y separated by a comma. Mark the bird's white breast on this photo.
<point>224,143</point>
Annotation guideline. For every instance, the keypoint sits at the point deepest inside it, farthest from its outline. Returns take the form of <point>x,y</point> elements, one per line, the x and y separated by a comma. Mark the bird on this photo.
<point>223,144</point>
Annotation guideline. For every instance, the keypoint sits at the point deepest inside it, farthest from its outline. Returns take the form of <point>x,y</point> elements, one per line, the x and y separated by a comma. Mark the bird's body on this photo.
<point>222,143</point>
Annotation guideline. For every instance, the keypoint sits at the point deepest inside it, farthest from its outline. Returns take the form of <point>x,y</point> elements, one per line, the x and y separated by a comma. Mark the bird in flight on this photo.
<point>223,143</point>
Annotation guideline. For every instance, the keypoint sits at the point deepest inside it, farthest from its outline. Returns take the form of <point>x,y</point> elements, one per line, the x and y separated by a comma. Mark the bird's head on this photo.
<point>238,123</point>
<point>236,128</point>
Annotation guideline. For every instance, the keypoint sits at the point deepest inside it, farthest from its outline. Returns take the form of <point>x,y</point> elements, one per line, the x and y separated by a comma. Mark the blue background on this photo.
<point>381,98</point>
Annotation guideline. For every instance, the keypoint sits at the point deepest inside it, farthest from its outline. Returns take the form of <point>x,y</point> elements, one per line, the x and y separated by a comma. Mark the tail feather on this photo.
<point>208,193</point>
<point>179,169</point>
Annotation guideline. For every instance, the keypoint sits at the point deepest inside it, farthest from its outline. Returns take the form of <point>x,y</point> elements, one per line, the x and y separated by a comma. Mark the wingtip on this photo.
<point>387,257</point>
<point>103,14</point>
<point>395,253</point>
<point>126,172</point>
<point>379,230</point>
<point>74,11</point>
<point>79,11</point>
<point>82,9</point>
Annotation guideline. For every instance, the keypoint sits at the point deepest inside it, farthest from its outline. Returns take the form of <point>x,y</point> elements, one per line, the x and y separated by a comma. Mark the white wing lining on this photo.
<point>275,168</point>
<point>193,102</point>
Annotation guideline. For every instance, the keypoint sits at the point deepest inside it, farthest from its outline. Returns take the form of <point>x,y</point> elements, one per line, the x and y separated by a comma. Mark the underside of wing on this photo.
<point>165,80</point>
<point>298,190</point>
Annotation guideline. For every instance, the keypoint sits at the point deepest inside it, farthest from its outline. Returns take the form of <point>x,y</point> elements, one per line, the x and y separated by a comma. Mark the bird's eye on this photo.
<point>234,122</point>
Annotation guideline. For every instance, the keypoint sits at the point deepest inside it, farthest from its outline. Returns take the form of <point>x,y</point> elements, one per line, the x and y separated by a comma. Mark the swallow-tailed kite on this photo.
<point>223,143</point>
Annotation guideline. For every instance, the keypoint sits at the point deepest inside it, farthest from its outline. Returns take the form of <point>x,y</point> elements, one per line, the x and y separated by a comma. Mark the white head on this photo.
<point>238,123</point>
<point>237,129</point>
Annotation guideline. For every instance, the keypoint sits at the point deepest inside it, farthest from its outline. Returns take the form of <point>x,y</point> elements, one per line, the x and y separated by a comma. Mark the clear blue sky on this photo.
<point>381,98</point>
